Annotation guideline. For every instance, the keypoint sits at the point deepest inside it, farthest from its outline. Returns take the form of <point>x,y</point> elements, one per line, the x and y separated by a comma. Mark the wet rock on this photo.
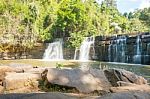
<point>15,81</point>
<point>83,81</point>
<point>115,75</point>
<point>127,95</point>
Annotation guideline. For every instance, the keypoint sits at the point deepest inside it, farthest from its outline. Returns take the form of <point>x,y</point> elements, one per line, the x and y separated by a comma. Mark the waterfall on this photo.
<point>85,48</point>
<point>147,54</point>
<point>117,50</point>
<point>54,51</point>
<point>122,49</point>
<point>109,52</point>
<point>148,49</point>
<point>138,42</point>
<point>75,55</point>
<point>137,56</point>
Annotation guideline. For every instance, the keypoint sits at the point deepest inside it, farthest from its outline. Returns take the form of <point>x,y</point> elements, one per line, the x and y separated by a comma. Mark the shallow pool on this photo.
<point>143,70</point>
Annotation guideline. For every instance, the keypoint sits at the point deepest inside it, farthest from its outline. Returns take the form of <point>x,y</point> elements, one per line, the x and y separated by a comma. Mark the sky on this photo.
<point>130,5</point>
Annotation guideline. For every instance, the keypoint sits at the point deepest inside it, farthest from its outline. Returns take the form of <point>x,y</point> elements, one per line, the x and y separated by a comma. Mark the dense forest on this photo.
<point>25,22</point>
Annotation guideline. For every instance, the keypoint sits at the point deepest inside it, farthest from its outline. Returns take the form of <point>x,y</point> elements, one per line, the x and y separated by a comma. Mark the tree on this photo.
<point>111,3</point>
<point>25,22</point>
<point>17,20</point>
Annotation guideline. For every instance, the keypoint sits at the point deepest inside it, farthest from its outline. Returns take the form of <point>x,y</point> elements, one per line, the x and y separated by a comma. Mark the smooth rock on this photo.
<point>83,81</point>
<point>127,95</point>
<point>115,75</point>
<point>56,95</point>
<point>15,81</point>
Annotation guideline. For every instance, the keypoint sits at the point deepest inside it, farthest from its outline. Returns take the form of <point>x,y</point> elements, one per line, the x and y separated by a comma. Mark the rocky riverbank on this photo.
<point>103,84</point>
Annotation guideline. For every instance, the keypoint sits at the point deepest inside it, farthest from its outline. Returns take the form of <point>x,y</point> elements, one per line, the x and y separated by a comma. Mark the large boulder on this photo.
<point>37,70</point>
<point>16,81</point>
<point>115,75</point>
<point>1,89</point>
<point>84,81</point>
<point>13,67</point>
<point>20,67</point>
<point>3,70</point>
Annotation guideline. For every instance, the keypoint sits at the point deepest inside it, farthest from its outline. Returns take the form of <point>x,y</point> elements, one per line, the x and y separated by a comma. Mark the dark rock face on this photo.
<point>115,75</point>
<point>124,49</point>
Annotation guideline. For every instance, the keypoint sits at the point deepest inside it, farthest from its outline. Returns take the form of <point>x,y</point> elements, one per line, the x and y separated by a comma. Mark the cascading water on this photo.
<point>122,46</point>
<point>109,52</point>
<point>54,51</point>
<point>138,42</point>
<point>148,49</point>
<point>75,55</point>
<point>137,56</point>
<point>117,50</point>
<point>147,54</point>
<point>85,49</point>
<point>112,50</point>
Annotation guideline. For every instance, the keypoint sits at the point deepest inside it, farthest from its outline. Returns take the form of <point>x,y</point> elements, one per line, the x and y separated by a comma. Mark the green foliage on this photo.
<point>59,65</point>
<point>24,22</point>
<point>139,20</point>
<point>16,24</point>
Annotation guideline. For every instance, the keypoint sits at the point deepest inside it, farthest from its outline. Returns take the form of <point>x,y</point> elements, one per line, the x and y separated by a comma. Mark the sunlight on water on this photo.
<point>54,51</point>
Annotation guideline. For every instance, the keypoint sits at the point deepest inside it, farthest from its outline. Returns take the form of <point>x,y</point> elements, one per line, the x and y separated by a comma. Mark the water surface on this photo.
<point>143,70</point>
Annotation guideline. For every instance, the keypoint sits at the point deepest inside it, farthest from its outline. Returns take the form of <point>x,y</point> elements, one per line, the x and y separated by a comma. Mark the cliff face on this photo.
<point>120,48</point>
<point>124,48</point>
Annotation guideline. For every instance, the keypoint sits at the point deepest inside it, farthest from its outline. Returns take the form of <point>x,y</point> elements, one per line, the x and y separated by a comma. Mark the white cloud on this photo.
<point>144,4</point>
